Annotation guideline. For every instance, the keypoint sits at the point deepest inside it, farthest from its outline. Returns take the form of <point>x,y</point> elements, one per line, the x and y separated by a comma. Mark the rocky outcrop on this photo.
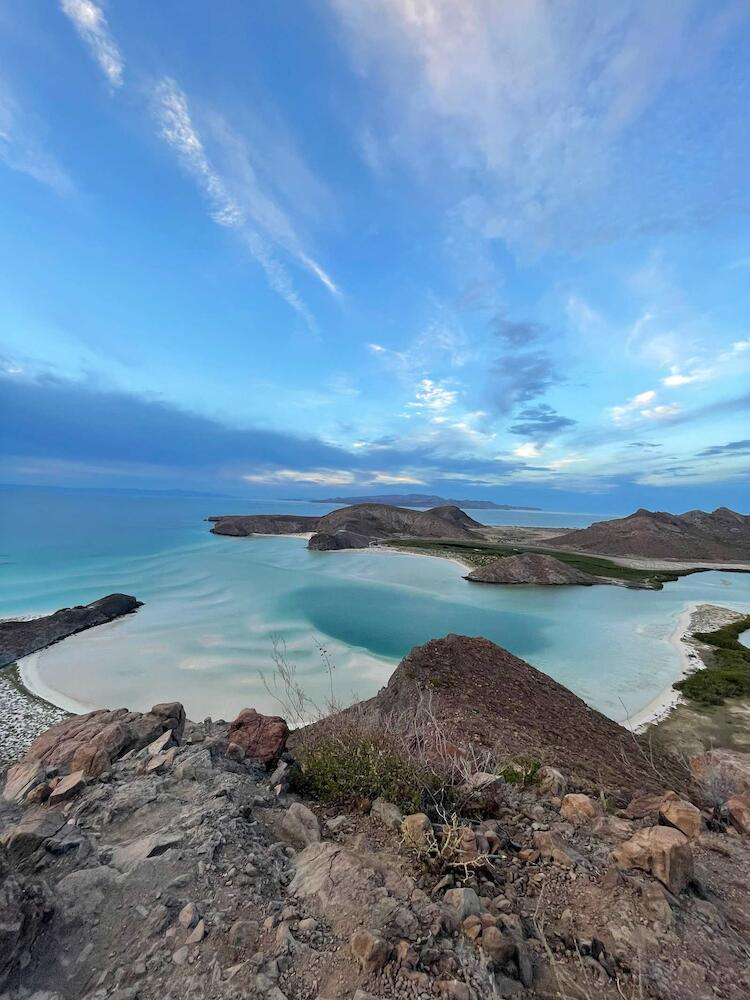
<point>329,541</point>
<point>21,637</point>
<point>662,852</point>
<point>531,568</point>
<point>242,525</point>
<point>720,536</point>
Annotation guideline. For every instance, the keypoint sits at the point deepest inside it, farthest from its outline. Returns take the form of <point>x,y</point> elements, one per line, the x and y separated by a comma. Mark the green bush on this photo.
<point>521,772</point>
<point>728,676</point>
<point>347,767</point>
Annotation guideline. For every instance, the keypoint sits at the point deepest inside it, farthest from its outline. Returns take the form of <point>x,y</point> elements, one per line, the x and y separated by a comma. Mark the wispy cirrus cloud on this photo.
<point>91,24</point>
<point>22,149</point>
<point>534,105</point>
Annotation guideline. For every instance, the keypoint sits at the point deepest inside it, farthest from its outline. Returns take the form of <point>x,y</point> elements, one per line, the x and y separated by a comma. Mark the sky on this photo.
<point>474,247</point>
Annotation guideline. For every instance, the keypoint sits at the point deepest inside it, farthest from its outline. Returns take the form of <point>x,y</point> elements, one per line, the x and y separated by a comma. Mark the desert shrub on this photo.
<point>521,771</point>
<point>728,676</point>
<point>349,763</point>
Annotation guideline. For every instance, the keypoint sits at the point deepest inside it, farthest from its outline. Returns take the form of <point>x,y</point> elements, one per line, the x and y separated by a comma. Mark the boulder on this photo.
<point>662,852</point>
<point>300,826</point>
<point>464,903</point>
<point>644,804</point>
<point>387,814</point>
<point>681,814</point>
<point>370,950</point>
<point>498,947</point>
<point>578,809</point>
<point>553,848</point>
<point>21,779</point>
<point>262,737</point>
<point>417,832</point>
<point>551,781</point>
<point>738,809</point>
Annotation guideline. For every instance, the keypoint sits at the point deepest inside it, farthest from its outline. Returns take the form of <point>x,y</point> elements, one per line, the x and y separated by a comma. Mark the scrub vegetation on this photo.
<point>727,675</point>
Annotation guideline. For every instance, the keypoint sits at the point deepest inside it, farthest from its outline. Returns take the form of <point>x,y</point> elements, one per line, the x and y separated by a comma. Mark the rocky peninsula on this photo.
<point>19,637</point>
<point>397,850</point>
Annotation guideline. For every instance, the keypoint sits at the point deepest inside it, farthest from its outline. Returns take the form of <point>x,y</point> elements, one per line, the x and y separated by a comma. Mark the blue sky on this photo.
<point>350,246</point>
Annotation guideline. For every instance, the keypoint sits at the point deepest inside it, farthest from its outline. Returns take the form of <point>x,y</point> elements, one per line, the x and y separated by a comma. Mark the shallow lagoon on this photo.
<point>214,606</point>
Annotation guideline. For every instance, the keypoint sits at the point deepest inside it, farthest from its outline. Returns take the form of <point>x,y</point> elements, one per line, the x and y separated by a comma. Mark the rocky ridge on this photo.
<point>719,536</point>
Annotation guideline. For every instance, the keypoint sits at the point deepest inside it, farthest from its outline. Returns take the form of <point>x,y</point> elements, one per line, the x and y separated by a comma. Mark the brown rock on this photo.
<point>464,902</point>
<point>262,737</point>
<point>197,934</point>
<point>551,781</point>
<point>417,831</point>
<point>188,916</point>
<point>453,989</point>
<point>738,808</point>
<point>499,947</point>
<point>370,950</point>
<point>644,805</point>
<point>552,848</point>
<point>662,852</point>
<point>578,809</point>
<point>681,814</point>
<point>69,786</point>
<point>472,927</point>
<point>23,839</point>
<point>21,779</point>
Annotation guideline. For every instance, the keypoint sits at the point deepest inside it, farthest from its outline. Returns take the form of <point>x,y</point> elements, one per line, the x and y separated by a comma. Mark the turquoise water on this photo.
<point>214,607</point>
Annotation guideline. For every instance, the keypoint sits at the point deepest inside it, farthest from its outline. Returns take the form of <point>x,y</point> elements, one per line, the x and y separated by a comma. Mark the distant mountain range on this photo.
<point>417,500</point>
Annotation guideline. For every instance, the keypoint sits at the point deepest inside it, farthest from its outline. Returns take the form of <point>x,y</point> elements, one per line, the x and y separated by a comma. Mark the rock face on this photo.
<point>719,536</point>
<point>262,737</point>
<point>85,746</point>
<point>484,695</point>
<point>328,541</point>
<point>19,638</point>
<point>531,568</point>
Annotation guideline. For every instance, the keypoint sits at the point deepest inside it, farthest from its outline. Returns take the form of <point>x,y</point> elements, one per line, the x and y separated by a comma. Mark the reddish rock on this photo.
<point>262,737</point>
<point>644,805</point>
<point>578,809</point>
<point>68,787</point>
<point>738,808</point>
<point>662,852</point>
<point>681,814</point>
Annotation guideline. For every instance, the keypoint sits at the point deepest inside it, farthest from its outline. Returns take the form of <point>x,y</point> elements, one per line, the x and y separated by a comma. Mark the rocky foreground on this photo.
<point>145,856</point>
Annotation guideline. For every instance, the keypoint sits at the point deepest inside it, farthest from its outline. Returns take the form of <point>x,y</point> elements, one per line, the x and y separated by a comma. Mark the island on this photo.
<point>416,500</point>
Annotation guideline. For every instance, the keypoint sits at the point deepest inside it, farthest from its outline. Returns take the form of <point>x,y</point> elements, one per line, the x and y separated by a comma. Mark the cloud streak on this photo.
<point>91,25</point>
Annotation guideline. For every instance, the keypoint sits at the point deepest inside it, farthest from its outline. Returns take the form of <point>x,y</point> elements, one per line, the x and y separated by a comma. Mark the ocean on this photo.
<point>215,608</point>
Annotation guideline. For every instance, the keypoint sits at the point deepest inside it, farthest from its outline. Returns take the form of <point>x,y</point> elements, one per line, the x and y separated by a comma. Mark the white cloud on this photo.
<point>678,378</point>
<point>620,413</point>
<point>662,412</point>
<point>530,99</point>
<point>433,396</point>
<point>394,479</point>
<point>240,214</point>
<point>319,477</point>
<point>91,25</point>
<point>528,450</point>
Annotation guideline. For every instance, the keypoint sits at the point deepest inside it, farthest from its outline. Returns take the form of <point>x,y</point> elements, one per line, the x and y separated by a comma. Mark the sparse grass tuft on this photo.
<point>521,771</point>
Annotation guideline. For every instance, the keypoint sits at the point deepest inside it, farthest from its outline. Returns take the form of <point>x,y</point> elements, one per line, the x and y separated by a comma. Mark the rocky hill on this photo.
<point>720,536</point>
<point>354,527</point>
<point>482,694</point>
<point>145,857</point>
<point>531,568</point>
<point>417,500</point>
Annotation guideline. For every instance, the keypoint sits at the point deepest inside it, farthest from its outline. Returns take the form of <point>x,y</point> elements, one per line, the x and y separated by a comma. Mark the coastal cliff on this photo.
<point>394,851</point>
